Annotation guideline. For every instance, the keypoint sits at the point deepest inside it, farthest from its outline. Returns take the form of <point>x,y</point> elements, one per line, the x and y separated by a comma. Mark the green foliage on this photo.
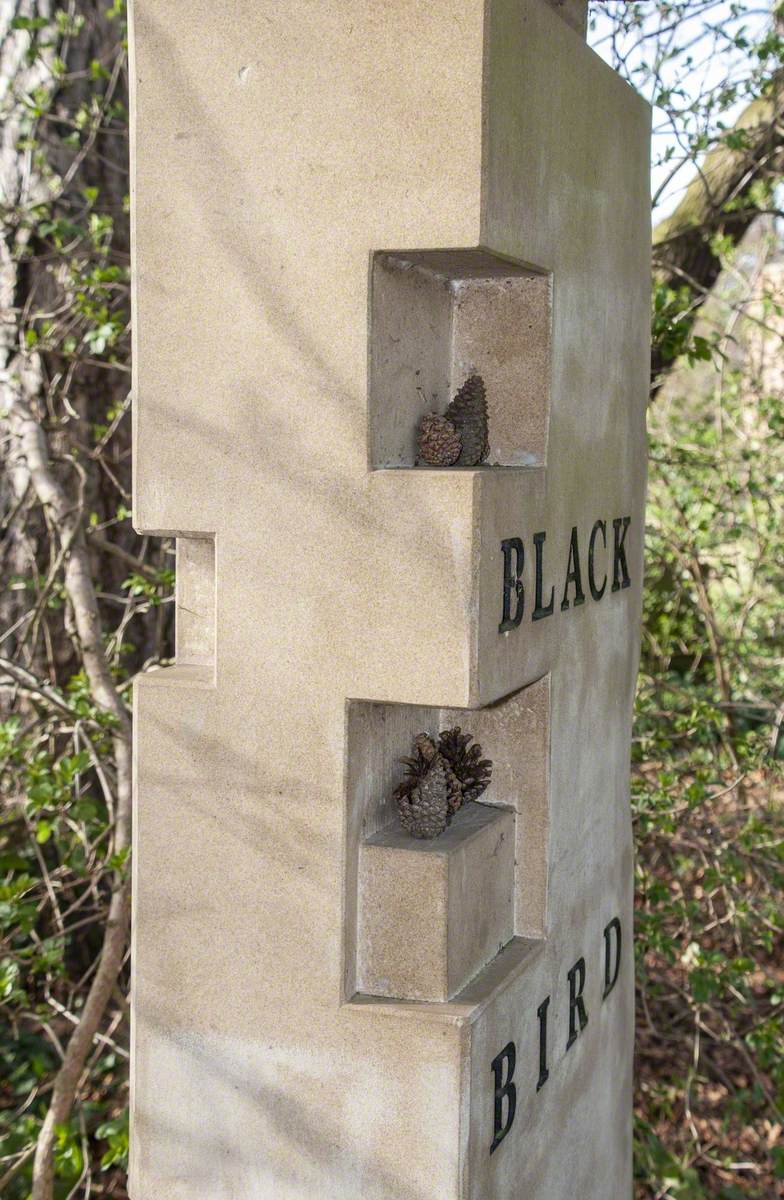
<point>66,233</point>
<point>56,870</point>
<point>115,1134</point>
<point>672,330</point>
<point>156,586</point>
<point>708,794</point>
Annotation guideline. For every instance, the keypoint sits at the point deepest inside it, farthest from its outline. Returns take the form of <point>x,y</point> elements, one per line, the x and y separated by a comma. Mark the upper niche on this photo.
<point>440,316</point>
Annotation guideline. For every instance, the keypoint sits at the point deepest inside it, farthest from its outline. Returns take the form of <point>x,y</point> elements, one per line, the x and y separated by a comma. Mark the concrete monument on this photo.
<point>343,213</point>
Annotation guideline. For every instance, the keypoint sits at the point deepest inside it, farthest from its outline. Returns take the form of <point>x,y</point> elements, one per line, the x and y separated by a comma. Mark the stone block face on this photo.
<point>439,316</point>
<point>433,913</point>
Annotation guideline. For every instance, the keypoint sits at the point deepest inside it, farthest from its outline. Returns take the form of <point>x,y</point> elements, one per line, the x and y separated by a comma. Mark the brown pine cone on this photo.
<point>427,753</point>
<point>426,747</point>
<point>468,414</point>
<point>439,442</point>
<point>423,808</point>
<point>454,788</point>
<point>472,771</point>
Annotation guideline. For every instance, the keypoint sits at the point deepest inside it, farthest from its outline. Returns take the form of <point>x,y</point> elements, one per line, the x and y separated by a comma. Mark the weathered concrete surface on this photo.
<point>276,148</point>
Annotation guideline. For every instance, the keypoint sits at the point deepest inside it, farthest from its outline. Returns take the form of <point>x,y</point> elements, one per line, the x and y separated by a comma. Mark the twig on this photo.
<point>31,683</point>
<point>24,1157</point>
<point>107,547</point>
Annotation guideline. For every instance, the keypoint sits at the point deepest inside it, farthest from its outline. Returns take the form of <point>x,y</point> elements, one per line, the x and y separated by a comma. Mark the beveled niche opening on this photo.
<point>423,918</point>
<point>194,623</point>
<point>438,317</point>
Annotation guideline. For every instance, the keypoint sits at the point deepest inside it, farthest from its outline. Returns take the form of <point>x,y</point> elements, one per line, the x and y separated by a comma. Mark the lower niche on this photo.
<point>423,917</point>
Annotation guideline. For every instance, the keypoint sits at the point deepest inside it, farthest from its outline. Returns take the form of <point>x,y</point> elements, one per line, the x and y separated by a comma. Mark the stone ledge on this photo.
<point>463,1009</point>
<point>432,914</point>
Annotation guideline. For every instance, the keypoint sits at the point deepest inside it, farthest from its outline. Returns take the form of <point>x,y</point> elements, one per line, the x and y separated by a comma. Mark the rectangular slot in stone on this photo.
<point>439,316</point>
<point>432,913</point>
<point>195,601</point>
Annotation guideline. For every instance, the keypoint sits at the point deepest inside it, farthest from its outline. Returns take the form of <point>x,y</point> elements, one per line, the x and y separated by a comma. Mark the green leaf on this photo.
<point>44,830</point>
<point>30,23</point>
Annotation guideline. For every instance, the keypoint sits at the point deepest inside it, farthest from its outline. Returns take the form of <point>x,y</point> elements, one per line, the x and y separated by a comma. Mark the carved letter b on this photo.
<point>504,1090</point>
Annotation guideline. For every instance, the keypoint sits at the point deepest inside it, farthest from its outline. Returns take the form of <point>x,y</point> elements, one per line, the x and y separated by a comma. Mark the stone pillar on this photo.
<point>342,209</point>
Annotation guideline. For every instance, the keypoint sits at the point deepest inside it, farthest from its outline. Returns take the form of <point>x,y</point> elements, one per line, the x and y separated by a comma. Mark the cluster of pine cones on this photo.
<point>459,437</point>
<point>440,777</point>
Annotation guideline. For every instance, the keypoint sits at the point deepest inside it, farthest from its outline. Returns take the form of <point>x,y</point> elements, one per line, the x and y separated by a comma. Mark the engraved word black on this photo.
<point>573,595</point>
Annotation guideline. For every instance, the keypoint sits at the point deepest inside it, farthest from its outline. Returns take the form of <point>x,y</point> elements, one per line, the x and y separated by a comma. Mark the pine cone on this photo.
<point>425,747</point>
<point>454,788</point>
<point>423,806</point>
<point>440,777</point>
<point>439,442</point>
<point>468,414</point>
<point>471,770</point>
<point>426,797</point>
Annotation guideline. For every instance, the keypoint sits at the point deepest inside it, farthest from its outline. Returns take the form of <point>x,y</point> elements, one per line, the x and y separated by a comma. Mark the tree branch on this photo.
<point>681,242</point>
<point>31,683</point>
<point>87,623</point>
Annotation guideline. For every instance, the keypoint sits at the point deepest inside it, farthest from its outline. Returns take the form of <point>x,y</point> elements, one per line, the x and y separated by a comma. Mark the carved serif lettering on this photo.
<point>505,1064</point>
<point>594,560</point>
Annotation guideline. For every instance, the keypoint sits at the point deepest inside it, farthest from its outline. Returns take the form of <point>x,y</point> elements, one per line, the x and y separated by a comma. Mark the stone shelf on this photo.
<point>433,913</point>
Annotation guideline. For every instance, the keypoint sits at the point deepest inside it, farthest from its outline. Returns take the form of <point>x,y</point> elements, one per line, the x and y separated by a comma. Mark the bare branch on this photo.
<point>87,622</point>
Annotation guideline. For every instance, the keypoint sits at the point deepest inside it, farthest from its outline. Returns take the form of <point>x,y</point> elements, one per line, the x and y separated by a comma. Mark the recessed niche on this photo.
<point>195,601</point>
<point>440,316</point>
<point>412,930</point>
